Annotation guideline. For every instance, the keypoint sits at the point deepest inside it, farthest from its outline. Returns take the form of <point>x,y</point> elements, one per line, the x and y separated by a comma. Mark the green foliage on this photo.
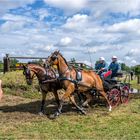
<point>40,61</point>
<point>1,66</point>
<point>137,70</point>
<point>124,67</point>
<point>73,60</point>
<point>13,62</point>
<point>14,83</point>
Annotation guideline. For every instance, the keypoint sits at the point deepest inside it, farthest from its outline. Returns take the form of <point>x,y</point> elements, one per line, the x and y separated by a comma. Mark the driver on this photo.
<point>101,66</point>
<point>114,67</point>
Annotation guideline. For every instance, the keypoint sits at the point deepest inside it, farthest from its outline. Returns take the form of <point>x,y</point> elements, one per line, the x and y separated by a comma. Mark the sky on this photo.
<point>80,29</point>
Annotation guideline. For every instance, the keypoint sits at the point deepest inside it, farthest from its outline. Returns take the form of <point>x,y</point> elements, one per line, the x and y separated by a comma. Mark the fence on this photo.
<point>7,62</point>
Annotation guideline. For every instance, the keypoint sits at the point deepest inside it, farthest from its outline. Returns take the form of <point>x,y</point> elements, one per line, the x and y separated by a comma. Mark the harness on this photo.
<point>50,77</point>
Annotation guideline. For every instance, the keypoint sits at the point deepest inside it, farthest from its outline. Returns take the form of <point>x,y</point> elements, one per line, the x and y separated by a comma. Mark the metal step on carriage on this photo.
<point>117,90</point>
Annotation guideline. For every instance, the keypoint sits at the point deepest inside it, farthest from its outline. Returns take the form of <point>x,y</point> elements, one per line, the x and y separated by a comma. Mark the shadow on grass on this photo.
<point>34,107</point>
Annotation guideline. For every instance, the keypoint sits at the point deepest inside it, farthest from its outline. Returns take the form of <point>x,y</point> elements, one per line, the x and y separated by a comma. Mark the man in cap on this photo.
<point>114,67</point>
<point>101,66</point>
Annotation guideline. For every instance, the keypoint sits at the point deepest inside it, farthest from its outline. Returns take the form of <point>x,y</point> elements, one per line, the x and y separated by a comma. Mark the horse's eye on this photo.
<point>53,57</point>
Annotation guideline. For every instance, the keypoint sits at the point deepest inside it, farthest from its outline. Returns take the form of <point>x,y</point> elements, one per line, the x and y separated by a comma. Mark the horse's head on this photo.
<point>29,74</point>
<point>53,58</point>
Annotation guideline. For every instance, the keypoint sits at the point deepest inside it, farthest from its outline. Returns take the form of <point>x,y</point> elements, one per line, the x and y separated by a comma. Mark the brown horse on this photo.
<point>46,78</point>
<point>90,80</point>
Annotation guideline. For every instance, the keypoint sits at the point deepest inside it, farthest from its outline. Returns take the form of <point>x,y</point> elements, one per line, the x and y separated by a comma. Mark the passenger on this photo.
<point>101,66</point>
<point>114,67</point>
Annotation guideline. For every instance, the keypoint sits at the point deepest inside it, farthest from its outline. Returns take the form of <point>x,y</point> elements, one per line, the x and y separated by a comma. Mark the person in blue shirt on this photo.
<point>101,66</point>
<point>114,67</point>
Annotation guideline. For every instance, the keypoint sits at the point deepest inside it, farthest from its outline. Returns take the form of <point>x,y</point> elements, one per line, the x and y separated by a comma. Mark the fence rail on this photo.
<point>7,59</point>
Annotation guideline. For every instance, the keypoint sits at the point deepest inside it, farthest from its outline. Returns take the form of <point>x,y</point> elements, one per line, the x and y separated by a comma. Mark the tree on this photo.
<point>124,67</point>
<point>137,72</point>
<point>73,60</point>
<point>13,62</point>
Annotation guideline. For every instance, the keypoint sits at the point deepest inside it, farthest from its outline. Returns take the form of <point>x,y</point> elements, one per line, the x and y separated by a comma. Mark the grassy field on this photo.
<point>19,117</point>
<point>134,84</point>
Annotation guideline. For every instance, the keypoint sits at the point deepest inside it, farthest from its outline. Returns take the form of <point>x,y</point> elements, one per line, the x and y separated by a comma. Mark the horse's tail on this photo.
<point>1,92</point>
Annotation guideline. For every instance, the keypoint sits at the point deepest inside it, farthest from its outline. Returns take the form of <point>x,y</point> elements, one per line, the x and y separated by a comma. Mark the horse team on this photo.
<point>67,79</point>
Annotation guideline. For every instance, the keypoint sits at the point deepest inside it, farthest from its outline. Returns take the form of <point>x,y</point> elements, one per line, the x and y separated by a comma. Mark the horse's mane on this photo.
<point>36,65</point>
<point>62,57</point>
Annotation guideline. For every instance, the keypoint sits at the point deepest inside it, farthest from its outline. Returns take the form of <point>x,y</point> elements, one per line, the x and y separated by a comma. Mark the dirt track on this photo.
<point>18,109</point>
<point>15,109</point>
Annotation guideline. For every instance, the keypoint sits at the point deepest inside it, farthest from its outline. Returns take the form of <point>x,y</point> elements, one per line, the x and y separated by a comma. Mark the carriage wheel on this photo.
<point>114,97</point>
<point>125,94</point>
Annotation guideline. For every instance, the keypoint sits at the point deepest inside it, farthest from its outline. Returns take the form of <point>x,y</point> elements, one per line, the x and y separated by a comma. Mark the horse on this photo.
<point>1,91</point>
<point>46,78</point>
<point>90,80</point>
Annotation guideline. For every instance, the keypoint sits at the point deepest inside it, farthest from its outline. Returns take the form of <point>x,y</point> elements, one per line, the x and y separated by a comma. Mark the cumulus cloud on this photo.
<point>65,41</point>
<point>67,4</point>
<point>5,5</point>
<point>76,22</point>
<point>88,31</point>
<point>132,25</point>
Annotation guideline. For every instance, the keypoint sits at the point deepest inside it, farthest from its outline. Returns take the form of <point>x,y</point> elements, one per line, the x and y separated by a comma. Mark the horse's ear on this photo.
<point>57,52</point>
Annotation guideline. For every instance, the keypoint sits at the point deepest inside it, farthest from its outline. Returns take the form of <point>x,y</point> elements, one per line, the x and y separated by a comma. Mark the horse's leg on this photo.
<point>79,108</point>
<point>88,100</point>
<point>42,103</point>
<point>68,92</point>
<point>56,97</point>
<point>105,96</point>
<point>80,97</point>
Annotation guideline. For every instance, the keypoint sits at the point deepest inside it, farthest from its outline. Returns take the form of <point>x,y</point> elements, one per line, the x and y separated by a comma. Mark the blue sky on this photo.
<point>75,27</point>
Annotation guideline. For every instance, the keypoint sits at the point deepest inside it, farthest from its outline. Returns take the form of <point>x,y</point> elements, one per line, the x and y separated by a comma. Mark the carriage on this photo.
<point>117,90</point>
<point>75,79</point>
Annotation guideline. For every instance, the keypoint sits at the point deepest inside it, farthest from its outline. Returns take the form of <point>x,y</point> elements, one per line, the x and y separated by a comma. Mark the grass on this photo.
<point>19,118</point>
<point>122,123</point>
<point>14,84</point>
<point>134,84</point>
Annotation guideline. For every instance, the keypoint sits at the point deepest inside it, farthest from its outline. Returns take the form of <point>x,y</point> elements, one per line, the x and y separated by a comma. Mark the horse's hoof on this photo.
<point>82,112</point>
<point>110,108</point>
<point>40,113</point>
<point>54,116</point>
<point>85,105</point>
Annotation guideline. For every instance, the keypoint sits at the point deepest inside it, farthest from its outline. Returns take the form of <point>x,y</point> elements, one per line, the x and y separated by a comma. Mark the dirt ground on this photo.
<point>19,109</point>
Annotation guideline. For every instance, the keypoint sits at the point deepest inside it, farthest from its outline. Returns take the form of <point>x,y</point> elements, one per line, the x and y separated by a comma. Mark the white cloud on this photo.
<point>5,5</point>
<point>67,4</point>
<point>11,26</point>
<point>78,21</point>
<point>102,8</point>
<point>133,52</point>
<point>134,62</point>
<point>79,32</point>
<point>132,25</point>
<point>16,18</point>
<point>65,41</point>
<point>42,13</point>
<point>44,48</point>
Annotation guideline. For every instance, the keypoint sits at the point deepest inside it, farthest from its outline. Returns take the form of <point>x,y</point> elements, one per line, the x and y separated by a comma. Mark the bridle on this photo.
<point>53,58</point>
<point>27,73</point>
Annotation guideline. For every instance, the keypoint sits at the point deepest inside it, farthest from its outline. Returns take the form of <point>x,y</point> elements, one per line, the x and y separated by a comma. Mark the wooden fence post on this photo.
<point>6,62</point>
